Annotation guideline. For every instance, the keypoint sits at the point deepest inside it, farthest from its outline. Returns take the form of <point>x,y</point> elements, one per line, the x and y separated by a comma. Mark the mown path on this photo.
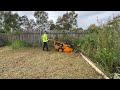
<point>33,63</point>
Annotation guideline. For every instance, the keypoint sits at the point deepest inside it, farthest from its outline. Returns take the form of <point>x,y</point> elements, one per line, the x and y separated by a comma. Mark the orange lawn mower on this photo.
<point>61,46</point>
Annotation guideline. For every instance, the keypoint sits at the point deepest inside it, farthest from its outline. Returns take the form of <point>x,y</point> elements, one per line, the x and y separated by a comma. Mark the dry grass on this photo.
<point>33,63</point>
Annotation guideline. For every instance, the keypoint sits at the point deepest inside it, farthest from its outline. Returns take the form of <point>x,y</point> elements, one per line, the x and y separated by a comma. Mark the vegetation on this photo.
<point>33,63</point>
<point>102,44</point>
<point>18,44</point>
<point>9,21</point>
<point>67,22</point>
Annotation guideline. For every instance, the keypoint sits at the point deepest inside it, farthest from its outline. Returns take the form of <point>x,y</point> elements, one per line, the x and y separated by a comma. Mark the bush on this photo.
<point>102,45</point>
<point>67,39</point>
<point>19,44</point>
<point>2,31</point>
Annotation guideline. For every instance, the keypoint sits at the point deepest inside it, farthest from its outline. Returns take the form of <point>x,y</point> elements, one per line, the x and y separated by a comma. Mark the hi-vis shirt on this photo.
<point>44,38</point>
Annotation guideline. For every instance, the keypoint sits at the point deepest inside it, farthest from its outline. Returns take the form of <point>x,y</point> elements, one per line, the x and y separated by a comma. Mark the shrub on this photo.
<point>19,44</point>
<point>67,39</point>
<point>102,45</point>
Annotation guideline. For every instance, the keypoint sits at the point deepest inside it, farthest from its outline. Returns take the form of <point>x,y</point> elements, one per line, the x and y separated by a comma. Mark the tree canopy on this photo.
<point>12,22</point>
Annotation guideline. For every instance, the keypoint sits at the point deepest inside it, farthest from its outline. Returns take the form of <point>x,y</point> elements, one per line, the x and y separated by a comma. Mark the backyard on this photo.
<point>91,50</point>
<point>33,63</point>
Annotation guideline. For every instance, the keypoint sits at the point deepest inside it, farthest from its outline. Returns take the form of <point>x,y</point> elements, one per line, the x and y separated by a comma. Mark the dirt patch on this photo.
<point>33,63</point>
<point>6,48</point>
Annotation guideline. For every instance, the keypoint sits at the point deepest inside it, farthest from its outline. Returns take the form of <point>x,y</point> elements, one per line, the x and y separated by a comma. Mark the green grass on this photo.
<point>101,44</point>
<point>18,44</point>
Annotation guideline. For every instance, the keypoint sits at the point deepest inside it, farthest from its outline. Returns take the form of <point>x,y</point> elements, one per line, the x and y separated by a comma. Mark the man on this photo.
<point>45,40</point>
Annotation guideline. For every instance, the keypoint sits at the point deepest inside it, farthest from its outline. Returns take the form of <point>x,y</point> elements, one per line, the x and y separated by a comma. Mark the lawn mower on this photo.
<point>61,46</point>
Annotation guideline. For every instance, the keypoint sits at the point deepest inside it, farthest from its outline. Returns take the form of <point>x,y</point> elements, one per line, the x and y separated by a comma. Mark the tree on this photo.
<point>15,22</point>
<point>79,29</point>
<point>59,23</point>
<point>51,25</point>
<point>24,22</point>
<point>1,21</point>
<point>32,24</point>
<point>73,20</point>
<point>68,21</point>
<point>41,19</point>
<point>9,22</point>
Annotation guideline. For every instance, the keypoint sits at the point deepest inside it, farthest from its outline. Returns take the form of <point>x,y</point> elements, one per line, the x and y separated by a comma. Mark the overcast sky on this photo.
<point>85,18</point>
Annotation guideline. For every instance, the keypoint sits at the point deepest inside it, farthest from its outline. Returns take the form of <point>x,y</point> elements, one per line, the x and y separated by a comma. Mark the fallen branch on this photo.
<point>94,67</point>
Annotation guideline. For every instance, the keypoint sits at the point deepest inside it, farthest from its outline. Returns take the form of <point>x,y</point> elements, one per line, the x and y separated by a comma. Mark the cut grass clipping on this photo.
<point>18,44</point>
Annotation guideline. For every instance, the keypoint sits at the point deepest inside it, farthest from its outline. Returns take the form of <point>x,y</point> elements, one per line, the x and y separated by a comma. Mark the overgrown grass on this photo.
<point>72,41</point>
<point>102,45</point>
<point>18,44</point>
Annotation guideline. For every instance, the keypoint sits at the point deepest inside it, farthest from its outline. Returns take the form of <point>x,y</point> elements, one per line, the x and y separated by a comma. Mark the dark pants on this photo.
<point>45,45</point>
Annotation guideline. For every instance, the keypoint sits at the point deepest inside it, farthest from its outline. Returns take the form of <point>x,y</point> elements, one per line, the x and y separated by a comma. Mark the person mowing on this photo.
<point>45,40</point>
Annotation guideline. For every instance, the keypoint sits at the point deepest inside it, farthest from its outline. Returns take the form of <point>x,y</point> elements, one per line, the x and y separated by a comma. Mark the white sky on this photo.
<point>85,18</point>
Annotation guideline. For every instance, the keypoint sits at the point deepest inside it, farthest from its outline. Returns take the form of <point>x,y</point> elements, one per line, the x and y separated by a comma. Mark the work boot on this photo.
<point>47,49</point>
<point>43,49</point>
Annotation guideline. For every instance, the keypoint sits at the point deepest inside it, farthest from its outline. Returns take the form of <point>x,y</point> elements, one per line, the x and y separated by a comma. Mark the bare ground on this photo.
<point>33,63</point>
